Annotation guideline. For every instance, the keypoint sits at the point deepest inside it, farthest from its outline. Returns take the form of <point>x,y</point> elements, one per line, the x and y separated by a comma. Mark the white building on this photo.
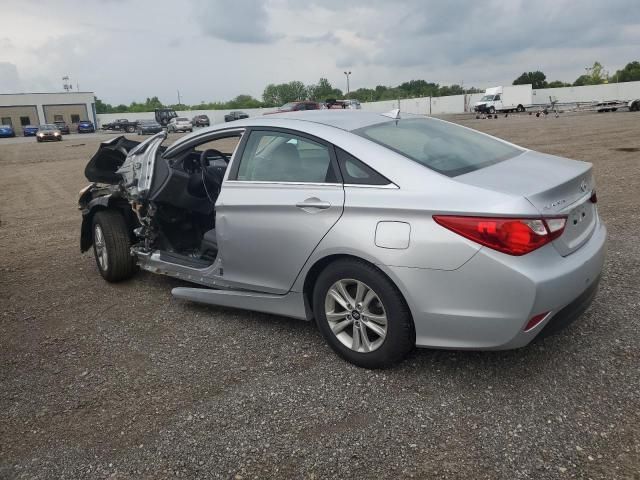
<point>21,109</point>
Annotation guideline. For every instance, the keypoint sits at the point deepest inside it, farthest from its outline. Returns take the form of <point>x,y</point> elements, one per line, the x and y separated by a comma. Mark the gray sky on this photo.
<point>216,49</point>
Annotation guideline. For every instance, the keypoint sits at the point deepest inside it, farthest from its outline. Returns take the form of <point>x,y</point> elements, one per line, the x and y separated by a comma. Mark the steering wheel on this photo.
<point>204,157</point>
<point>212,177</point>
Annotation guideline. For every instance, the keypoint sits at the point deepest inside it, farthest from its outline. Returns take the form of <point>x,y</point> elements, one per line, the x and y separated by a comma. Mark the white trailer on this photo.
<point>512,98</point>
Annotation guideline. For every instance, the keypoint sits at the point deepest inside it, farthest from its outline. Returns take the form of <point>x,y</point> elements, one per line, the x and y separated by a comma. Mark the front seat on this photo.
<point>282,164</point>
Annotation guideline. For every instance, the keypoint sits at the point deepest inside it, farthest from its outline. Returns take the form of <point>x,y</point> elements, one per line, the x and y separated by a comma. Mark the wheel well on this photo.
<point>320,265</point>
<point>86,235</point>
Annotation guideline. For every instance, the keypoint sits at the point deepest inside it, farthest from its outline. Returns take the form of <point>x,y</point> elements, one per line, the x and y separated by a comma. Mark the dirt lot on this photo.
<point>123,381</point>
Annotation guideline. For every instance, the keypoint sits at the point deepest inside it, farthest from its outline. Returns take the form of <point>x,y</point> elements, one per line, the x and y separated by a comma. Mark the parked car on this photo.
<point>297,106</point>
<point>457,240</point>
<point>200,121</point>
<point>179,124</point>
<point>85,126</point>
<point>237,115</point>
<point>352,104</point>
<point>7,131</point>
<point>334,104</point>
<point>48,131</point>
<point>63,127</point>
<point>148,127</point>
<point>121,125</point>
<point>30,130</point>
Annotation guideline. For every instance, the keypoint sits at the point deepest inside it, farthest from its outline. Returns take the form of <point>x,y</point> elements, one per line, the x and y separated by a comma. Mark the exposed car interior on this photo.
<point>184,193</point>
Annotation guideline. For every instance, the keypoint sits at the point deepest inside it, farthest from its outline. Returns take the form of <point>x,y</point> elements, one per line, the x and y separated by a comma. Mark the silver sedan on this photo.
<point>389,231</point>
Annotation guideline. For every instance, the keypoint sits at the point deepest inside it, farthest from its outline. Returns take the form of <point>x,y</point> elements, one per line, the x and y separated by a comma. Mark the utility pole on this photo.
<point>179,101</point>
<point>347,75</point>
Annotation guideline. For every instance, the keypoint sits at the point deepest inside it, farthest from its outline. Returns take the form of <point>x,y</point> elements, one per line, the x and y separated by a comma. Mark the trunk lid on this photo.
<point>555,186</point>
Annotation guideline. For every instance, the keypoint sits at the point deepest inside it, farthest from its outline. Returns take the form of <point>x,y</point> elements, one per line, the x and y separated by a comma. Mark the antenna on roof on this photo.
<point>395,114</point>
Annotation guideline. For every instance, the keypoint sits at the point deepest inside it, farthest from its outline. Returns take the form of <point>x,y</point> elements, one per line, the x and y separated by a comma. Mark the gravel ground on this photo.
<point>123,381</point>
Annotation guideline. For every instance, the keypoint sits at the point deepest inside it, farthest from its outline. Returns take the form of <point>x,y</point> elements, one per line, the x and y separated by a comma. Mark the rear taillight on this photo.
<point>513,236</point>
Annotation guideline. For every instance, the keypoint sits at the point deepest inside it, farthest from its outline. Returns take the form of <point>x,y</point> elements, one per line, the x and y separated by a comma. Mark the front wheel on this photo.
<point>362,315</point>
<point>131,129</point>
<point>111,246</point>
<point>492,110</point>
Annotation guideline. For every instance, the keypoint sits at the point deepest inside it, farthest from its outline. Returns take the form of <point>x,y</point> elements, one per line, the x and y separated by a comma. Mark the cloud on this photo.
<point>9,78</point>
<point>235,21</point>
<point>239,46</point>
<point>324,38</point>
<point>431,33</point>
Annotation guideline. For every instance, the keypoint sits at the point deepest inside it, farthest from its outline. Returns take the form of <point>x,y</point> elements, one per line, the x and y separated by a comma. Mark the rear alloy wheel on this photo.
<point>362,315</point>
<point>111,246</point>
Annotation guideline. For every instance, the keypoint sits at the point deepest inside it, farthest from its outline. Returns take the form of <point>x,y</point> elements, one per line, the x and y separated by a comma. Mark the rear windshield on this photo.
<point>441,146</point>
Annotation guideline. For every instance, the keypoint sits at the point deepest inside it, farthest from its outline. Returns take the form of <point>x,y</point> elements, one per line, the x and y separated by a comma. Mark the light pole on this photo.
<point>347,74</point>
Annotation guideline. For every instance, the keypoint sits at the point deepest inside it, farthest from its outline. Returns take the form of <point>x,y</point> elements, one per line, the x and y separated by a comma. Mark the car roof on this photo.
<point>342,119</point>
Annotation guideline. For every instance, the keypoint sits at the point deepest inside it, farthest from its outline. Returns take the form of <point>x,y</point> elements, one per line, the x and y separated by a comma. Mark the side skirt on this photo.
<point>288,305</point>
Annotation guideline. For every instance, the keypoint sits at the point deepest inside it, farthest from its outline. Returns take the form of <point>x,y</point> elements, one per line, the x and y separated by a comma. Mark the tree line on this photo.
<point>596,75</point>
<point>275,95</point>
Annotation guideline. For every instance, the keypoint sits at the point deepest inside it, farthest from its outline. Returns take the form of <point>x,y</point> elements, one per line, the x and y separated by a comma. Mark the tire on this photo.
<point>111,246</point>
<point>385,300</point>
<point>520,109</point>
<point>492,110</point>
<point>131,129</point>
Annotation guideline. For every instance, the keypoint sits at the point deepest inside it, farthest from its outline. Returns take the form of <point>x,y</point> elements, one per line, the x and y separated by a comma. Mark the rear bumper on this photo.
<point>486,303</point>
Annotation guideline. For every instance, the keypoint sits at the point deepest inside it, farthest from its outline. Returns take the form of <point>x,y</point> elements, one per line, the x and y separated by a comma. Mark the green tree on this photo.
<point>537,79</point>
<point>275,95</point>
<point>270,95</point>
<point>450,90</point>
<point>596,76</point>
<point>243,101</point>
<point>102,107</point>
<point>630,73</point>
<point>419,88</point>
<point>557,84</point>
<point>582,80</point>
<point>322,91</point>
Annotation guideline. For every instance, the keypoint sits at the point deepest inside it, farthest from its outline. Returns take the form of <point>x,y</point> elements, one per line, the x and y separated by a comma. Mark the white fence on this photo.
<point>589,93</point>
<point>432,105</point>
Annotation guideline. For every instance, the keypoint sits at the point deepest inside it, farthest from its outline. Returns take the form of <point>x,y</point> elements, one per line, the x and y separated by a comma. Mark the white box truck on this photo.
<point>513,98</point>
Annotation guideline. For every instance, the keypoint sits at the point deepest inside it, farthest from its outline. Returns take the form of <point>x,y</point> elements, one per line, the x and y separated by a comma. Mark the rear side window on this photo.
<point>355,172</point>
<point>441,146</point>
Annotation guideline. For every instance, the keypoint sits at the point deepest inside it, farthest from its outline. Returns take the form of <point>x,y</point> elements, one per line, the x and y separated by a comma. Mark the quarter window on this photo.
<point>283,157</point>
<point>357,173</point>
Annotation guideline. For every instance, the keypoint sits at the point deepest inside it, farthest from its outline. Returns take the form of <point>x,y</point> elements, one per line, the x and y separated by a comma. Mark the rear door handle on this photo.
<point>313,203</point>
